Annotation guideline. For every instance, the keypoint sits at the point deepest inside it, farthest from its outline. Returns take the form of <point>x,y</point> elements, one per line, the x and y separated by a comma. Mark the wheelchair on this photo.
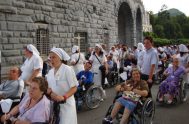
<point>91,97</point>
<point>159,77</point>
<point>143,113</point>
<point>180,96</point>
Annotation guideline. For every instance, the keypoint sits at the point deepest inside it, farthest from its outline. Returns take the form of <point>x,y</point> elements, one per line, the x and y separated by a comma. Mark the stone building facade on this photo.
<point>147,27</point>
<point>62,23</point>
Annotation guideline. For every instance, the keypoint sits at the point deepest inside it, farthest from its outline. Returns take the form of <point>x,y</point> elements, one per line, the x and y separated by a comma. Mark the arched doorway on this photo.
<point>125,24</point>
<point>139,26</point>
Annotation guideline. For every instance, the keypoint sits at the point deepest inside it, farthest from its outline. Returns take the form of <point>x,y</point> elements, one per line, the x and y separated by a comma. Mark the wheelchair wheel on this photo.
<point>148,111</point>
<point>93,97</point>
<point>108,113</point>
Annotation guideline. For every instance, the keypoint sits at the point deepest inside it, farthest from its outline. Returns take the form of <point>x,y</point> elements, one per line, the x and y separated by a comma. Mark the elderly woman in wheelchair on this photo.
<point>34,107</point>
<point>169,88</point>
<point>132,90</point>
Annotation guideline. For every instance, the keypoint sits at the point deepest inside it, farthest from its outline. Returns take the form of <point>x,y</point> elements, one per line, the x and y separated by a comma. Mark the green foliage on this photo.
<point>163,42</point>
<point>170,27</point>
<point>149,34</point>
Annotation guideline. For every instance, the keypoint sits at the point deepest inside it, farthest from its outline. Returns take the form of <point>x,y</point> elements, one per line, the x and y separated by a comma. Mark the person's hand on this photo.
<point>59,98</point>
<point>149,80</point>
<point>119,88</point>
<point>135,91</point>
<point>5,117</point>
<point>49,91</point>
<point>106,71</point>
<point>128,87</point>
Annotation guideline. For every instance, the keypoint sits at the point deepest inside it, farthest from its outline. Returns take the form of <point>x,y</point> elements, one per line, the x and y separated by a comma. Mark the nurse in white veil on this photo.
<point>62,85</point>
<point>33,64</point>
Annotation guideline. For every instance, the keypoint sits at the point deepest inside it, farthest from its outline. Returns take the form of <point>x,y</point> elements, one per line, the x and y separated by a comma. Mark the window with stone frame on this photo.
<point>42,41</point>
<point>80,39</point>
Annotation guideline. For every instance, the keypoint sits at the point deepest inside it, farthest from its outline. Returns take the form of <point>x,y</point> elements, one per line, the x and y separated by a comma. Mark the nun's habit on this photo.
<point>60,83</point>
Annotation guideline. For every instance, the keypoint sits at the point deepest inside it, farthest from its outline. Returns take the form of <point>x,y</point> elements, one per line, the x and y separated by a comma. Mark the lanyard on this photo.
<point>28,108</point>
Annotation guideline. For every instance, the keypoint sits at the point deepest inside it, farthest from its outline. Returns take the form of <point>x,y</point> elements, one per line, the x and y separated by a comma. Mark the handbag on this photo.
<point>77,60</point>
<point>102,67</point>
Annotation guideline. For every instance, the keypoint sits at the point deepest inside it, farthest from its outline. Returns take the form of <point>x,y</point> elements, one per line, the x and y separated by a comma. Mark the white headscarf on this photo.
<point>75,48</point>
<point>140,46</point>
<point>183,48</point>
<point>99,46</point>
<point>161,49</point>
<point>61,53</point>
<point>32,49</point>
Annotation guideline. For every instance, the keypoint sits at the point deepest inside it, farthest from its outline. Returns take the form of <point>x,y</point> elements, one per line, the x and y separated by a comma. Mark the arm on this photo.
<point>152,69</point>
<point>141,92</point>
<point>10,90</point>
<point>34,74</point>
<point>123,87</point>
<point>89,78</point>
<point>21,122</point>
<point>60,98</point>
<point>13,112</point>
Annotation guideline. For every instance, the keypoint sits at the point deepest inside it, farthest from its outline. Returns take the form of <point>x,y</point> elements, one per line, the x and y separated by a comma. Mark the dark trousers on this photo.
<point>145,77</point>
<point>103,77</point>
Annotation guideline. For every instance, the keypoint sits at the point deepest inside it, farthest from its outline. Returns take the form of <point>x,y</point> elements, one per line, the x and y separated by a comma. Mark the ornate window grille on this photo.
<point>80,39</point>
<point>43,41</point>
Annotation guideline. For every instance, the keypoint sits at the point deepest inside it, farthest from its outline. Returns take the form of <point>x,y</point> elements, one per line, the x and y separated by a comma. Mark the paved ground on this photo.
<point>174,114</point>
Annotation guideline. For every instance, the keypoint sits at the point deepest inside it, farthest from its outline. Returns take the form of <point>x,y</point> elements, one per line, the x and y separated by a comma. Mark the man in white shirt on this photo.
<point>150,62</point>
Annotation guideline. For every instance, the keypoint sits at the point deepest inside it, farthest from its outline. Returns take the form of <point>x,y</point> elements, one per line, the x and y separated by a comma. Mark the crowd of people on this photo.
<point>63,75</point>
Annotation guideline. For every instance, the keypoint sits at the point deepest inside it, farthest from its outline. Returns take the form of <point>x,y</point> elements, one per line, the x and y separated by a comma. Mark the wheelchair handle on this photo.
<point>61,102</point>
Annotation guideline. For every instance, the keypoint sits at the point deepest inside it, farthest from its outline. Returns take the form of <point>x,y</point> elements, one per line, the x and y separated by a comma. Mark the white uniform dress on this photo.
<point>184,60</point>
<point>35,62</point>
<point>79,66</point>
<point>60,83</point>
<point>95,68</point>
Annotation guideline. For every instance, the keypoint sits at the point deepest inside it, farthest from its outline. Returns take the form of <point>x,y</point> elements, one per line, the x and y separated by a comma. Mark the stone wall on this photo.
<point>19,20</point>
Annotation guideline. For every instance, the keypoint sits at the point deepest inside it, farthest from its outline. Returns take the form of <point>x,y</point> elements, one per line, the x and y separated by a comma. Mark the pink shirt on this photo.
<point>38,113</point>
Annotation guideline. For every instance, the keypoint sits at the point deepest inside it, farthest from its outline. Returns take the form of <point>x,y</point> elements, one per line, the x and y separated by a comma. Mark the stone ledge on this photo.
<point>8,9</point>
<point>5,2</point>
<point>8,53</point>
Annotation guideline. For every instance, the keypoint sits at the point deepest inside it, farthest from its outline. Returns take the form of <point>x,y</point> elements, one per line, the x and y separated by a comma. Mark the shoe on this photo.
<point>169,101</point>
<point>161,99</point>
<point>184,99</point>
<point>107,120</point>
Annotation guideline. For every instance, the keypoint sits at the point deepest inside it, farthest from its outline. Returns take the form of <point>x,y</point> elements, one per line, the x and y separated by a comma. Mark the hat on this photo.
<point>32,49</point>
<point>160,49</point>
<point>99,46</point>
<point>75,48</point>
<point>140,46</point>
<point>61,54</point>
<point>183,48</point>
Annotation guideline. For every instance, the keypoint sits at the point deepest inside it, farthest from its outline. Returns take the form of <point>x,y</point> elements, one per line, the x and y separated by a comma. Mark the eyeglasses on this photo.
<point>33,88</point>
<point>13,71</point>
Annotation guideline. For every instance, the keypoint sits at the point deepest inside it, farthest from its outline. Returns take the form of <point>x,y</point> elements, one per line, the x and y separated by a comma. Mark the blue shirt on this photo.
<point>88,76</point>
<point>150,57</point>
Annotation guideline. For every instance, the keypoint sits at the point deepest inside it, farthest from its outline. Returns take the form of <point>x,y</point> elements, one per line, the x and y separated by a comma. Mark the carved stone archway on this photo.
<point>125,23</point>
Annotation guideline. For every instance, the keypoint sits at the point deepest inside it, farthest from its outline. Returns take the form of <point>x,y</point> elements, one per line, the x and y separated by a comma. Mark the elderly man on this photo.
<point>11,87</point>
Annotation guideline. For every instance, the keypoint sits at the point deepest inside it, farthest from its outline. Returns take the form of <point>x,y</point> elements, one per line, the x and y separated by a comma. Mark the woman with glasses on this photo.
<point>34,107</point>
